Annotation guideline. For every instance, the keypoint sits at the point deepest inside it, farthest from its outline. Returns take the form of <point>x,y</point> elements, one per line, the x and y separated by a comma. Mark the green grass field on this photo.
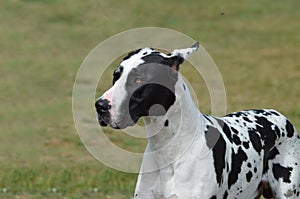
<point>43,42</point>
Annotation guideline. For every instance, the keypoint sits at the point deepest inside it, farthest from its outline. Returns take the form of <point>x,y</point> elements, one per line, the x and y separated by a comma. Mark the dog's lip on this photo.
<point>103,120</point>
<point>106,121</point>
<point>102,123</point>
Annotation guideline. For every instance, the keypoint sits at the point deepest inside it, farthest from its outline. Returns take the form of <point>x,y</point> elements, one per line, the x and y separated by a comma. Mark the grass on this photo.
<point>43,42</point>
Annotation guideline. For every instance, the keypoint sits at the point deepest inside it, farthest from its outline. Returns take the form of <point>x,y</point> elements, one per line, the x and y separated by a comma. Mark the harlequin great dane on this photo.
<point>193,155</point>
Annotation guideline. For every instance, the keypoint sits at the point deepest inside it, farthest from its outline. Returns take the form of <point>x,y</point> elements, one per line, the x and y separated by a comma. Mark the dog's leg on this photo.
<point>284,171</point>
<point>146,180</point>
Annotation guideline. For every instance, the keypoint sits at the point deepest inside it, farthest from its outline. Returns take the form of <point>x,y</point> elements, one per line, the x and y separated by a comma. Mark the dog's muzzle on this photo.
<point>102,107</point>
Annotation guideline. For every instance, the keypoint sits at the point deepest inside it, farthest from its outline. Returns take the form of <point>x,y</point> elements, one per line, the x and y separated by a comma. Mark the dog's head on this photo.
<point>143,85</point>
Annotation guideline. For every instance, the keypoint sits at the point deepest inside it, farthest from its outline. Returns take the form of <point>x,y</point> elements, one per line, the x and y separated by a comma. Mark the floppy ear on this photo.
<point>181,54</point>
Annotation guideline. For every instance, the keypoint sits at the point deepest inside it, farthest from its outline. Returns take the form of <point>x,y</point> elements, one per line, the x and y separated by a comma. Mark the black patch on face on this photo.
<point>289,129</point>
<point>282,172</point>
<point>236,165</point>
<point>156,86</point>
<point>155,57</point>
<point>132,53</point>
<point>249,176</point>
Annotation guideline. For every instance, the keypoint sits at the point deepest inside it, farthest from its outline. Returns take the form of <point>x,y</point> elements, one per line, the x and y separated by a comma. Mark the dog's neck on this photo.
<point>166,134</point>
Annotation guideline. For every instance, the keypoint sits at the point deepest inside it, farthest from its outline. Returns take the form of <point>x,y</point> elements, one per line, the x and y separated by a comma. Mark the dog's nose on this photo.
<point>102,105</point>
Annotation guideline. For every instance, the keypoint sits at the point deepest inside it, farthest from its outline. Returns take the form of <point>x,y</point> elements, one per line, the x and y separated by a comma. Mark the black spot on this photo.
<point>227,167</point>
<point>266,133</point>
<point>277,131</point>
<point>117,74</point>
<point>272,154</point>
<point>246,145</point>
<point>274,113</point>
<point>255,170</point>
<point>131,54</point>
<point>236,139</point>
<point>184,87</point>
<point>207,118</point>
<point>237,114</point>
<point>249,176</point>
<point>249,165</point>
<point>282,172</point>
<point>262,112</point>
<point>219,150</point>
<point>166,123</point>
<point>289,128</point>
<point>226,129</point>
<point>225,195</point>
<point>269,156</point>
<point>213,197</point>
<point>234,130</point>
<point>247,119</point>
<point>236,165</point>
<point>256,141</point>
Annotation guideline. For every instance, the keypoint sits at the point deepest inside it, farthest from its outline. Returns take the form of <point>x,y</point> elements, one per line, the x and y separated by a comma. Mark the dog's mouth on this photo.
<point>106,120</point>
<point>103,119</point>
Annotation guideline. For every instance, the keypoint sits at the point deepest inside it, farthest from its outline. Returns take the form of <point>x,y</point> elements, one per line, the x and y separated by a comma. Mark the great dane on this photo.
<point>242,155</point>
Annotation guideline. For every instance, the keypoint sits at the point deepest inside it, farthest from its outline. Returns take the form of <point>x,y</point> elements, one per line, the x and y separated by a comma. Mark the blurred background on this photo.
<point>255,44</point>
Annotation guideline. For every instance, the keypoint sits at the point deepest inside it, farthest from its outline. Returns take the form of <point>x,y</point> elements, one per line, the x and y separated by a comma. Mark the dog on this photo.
<point>193,155</point>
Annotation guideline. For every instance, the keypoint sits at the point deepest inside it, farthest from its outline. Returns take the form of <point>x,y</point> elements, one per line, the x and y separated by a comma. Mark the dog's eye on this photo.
<point>138,80</point>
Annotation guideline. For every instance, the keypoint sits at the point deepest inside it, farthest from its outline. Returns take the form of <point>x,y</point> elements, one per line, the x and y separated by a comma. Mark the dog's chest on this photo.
<point>188,177</point>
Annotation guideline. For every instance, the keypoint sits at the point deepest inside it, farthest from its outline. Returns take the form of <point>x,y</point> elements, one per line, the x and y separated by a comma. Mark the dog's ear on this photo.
<point>179,55</point>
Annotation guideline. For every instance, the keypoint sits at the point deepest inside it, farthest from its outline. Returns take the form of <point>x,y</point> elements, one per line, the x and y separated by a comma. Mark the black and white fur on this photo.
<point>242,155</point>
